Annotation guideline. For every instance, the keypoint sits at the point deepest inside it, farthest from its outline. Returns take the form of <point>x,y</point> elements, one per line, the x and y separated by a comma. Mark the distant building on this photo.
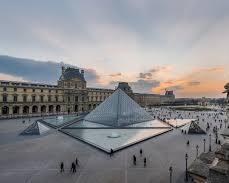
<point>70,95</point>
<point>227,90</point>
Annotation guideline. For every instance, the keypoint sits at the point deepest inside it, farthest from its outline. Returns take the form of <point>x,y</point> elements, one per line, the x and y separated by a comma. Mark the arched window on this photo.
<point>26,110</point>
<point>58,109</point>
<point>15,110</point>
<point>43,109</point>
<point>76,108</point>
<point>34,109</point>
<point>51,109</point>
<point>5,110</point>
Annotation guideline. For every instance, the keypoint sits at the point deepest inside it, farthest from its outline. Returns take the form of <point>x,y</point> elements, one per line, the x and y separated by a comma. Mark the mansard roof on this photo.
<point>71,73</point>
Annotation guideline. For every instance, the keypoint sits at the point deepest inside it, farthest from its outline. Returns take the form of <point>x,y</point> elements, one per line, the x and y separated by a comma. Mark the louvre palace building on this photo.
<point>70,95</point>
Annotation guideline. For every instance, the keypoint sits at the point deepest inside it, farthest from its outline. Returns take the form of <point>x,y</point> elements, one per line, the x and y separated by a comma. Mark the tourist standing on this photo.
<point>145,161</point>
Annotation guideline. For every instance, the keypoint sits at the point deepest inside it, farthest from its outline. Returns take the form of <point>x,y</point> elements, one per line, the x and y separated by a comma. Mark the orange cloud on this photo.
<point>115,74</point>
<point>200,82</point>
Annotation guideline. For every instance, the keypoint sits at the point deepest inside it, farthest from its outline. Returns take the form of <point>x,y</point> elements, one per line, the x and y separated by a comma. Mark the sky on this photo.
<point>155,45</point>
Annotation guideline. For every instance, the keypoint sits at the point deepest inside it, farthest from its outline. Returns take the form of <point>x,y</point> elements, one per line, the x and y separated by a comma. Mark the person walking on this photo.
<point>145,161</point>
<point>141,152</point>
<point>188,143</point>
<point>134,159</point>
<point>61,167</point>
<point>73,167</point>
<point>111,152</point>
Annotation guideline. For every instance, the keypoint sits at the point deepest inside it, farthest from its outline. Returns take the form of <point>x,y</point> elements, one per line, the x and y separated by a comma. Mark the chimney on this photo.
<point>82,72</point>
<point>63,69</point>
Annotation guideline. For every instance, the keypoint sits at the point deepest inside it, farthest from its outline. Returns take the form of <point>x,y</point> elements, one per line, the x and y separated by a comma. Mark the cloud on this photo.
<point>141,86</point>
<point>13,68</point>
<point>197,83</point>
<point>193,83</point>
<point>115,74</point>
<point>144,86</point>
<point>154,72</point>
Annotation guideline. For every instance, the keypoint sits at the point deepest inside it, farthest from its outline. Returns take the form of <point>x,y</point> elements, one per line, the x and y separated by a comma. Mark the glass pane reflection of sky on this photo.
<point>100,137</point>
<point>59,120</point>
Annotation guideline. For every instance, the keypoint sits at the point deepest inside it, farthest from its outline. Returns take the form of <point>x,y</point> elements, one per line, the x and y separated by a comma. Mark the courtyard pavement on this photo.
<point>33,159</point>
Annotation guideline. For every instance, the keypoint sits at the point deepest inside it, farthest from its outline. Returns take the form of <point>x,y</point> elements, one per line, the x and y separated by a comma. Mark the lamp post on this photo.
<point>170,174</point>
<point>204,144</point>
<point>197,148</point>
<point>186,167</point>
<point>210,147</point>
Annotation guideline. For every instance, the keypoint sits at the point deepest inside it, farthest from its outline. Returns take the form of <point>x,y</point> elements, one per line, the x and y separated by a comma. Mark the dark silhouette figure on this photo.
<point>141,152</point>
<point>61,167</point>
<point>111,153</point>
<point>73,167</point>
<point>188,143</point>
<point>134,159</point>
<point>145,161</point>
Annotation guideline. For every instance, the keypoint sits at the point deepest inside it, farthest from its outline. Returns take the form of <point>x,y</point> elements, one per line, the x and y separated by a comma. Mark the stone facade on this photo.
<point>70,95</point>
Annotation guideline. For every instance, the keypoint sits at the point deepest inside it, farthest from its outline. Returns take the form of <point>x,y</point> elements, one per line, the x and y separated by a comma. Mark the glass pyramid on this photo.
<point>118,110</point>
<point>35,128</point>
<point>193,128</point>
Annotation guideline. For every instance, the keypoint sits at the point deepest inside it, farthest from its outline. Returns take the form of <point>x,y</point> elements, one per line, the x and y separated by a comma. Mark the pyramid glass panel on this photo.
<point>42,128</point>
<point>118,110</point>
<point>35,128</point>
<point>31,130</point>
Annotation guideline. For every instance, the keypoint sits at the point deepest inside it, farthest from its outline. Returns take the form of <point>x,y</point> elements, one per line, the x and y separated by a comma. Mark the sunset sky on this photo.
<point>152,44</point>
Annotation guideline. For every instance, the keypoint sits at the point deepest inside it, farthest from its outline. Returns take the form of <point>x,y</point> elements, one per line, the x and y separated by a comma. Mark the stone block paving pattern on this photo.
<point>36,159</point>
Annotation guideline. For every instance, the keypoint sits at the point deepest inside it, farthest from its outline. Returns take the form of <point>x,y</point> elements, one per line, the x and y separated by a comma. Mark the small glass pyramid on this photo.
<point>35,128</point>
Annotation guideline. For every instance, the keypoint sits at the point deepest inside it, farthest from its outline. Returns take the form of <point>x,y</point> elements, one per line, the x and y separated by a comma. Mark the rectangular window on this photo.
<point>68,99</point>
<point>41,91</point>
<point>49,98</point>
<point>76,98</point>
<point>4,98</point>
<point>56,98</point>
<point>34,98</point>
<point>24,98</point>
<point>15,89</point>
<point>42,98</point>
<point>15,98</point>
<point>24,89</point>
<point>4,89</point>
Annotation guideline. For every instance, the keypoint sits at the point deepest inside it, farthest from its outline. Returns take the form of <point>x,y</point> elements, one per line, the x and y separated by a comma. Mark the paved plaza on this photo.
<point>32,159</point>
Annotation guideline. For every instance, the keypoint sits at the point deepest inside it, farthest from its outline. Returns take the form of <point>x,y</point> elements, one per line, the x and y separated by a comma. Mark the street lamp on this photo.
<point>186,167</point>
<point>210,147</point>
<point>197,148</point>
<point>204,144</point>
<point>170,173</point>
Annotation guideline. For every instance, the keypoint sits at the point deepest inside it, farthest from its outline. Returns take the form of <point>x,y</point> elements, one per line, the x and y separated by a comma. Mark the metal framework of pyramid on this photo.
<point>118,110</point>
<point>193,128</point>
<point>35,128</point>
